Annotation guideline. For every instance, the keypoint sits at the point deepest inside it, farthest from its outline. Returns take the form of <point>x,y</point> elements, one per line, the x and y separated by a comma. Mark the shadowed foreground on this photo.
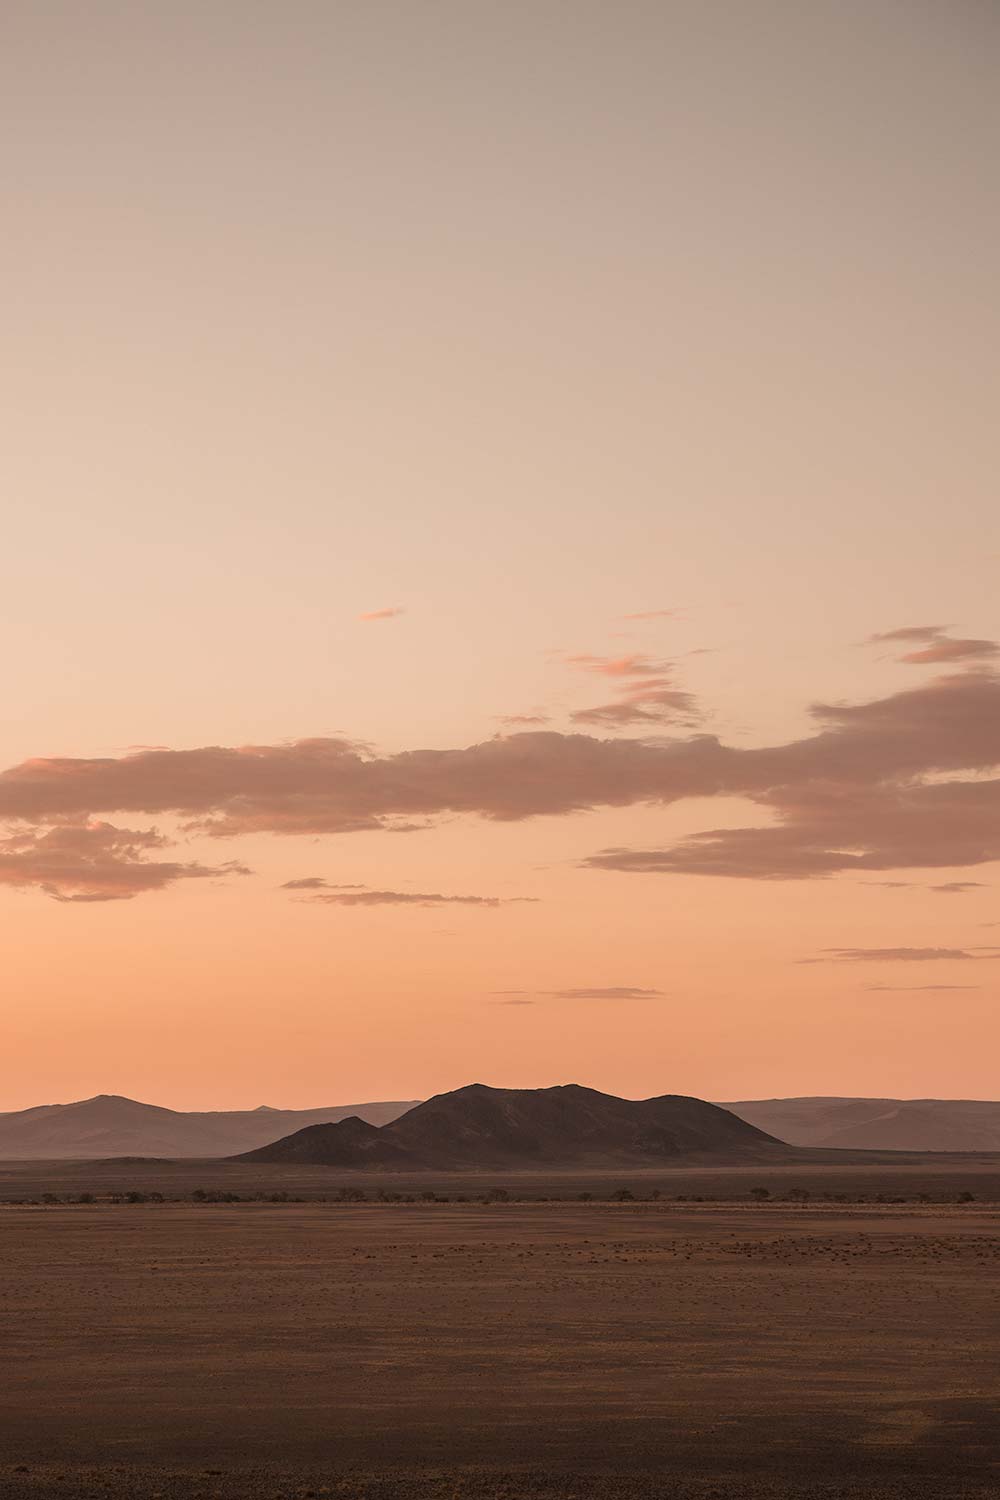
<point>553,1350</point>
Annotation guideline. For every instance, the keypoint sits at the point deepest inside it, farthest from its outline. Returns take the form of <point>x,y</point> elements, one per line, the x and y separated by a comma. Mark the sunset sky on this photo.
<point>501,559</point>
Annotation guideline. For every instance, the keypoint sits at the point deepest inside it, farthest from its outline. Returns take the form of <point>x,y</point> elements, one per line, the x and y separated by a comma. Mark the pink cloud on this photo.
<point>348,896</point>
<point>646,696</point>
<point>939,647</point>
<point>653,614</point>
<point>604,992</point>
<point>95,862</point>
<point>658,706</point>
<point>909,989</point>
<point>950,650</point>
<point>634,665</point>
<point>862,792</point>
<point>585,992</point>
<point>893,955</point>
<point>382,614</point>
<point>859,795</point>
<point>316,883</point>
<point>907,633</point>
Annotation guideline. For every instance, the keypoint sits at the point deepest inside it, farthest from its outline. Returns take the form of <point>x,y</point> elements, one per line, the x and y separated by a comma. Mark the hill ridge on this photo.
<point>852,1122</point>
<point>113,1125</point>
<point>478,1126</point>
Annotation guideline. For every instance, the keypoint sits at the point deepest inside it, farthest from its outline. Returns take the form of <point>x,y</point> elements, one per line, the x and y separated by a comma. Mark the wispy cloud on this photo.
<point>360,896</point>
<point>657,705</point>
<point>647,695</point>
<point>92,862</point>
<point>909,989</point>
<point>892,784</point>
<point>948,888</point>
<point>607,992</point>
<point>906,634</point>
<point>891,955</point>
<point>586,992</point>
<point>316,883</point>
<point>635,664</point>
<point>382,614</point>
<point>863,794</point>
<point>653,614</point>
<point>938,646</point>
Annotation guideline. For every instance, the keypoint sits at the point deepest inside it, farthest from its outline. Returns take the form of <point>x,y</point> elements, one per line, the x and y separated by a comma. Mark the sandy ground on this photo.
<point>550,1350</point>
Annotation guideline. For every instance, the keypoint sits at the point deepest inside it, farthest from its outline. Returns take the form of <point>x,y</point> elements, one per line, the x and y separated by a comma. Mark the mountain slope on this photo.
<point>109,1125</point>
<point>480,1127</point>
<point>877,1124</point>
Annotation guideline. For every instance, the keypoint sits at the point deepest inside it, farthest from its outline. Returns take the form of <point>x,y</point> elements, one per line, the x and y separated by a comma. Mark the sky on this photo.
<point>501,549</point>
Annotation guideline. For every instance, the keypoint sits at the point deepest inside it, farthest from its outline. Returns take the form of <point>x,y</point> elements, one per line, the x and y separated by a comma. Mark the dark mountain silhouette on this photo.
<point>480,1127</point>
<point>346,1143</point>
<point>877,1124</point>
<point>109,1125</point>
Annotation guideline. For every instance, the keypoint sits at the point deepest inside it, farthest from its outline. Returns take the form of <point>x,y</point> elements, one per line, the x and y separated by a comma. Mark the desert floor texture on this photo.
<point>540,1349</point>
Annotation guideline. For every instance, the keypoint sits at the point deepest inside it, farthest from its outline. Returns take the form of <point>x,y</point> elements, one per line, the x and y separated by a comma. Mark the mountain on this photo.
<point>109,1125</point>
<point>480,1127</point>
<point>877,1124</point>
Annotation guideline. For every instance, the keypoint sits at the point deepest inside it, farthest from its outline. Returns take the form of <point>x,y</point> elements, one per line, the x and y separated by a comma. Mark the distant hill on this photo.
<point>877,1124</point>
<point>109,1125</point>
<point>496,1129</point>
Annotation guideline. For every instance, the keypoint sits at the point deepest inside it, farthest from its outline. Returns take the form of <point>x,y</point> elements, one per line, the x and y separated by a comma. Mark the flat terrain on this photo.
<point>854,1174</point>
<point>551,1350</point>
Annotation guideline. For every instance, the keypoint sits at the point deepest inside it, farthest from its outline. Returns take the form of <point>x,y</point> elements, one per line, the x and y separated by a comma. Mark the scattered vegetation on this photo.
<point>774,1196</point>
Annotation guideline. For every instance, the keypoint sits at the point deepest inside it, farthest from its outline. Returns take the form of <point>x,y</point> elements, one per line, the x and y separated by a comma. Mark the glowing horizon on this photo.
<point>502,553</point>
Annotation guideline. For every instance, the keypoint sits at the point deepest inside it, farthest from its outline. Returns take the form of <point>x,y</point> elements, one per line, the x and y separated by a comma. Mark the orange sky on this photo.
<point>515,422</point>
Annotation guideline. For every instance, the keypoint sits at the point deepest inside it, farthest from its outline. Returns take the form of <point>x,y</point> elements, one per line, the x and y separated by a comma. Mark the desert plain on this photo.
<point>543,1346</point>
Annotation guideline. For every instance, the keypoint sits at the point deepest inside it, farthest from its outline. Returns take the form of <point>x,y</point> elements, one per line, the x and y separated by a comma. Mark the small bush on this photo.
<point>623,1195</point>
<point>760,1193</point>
